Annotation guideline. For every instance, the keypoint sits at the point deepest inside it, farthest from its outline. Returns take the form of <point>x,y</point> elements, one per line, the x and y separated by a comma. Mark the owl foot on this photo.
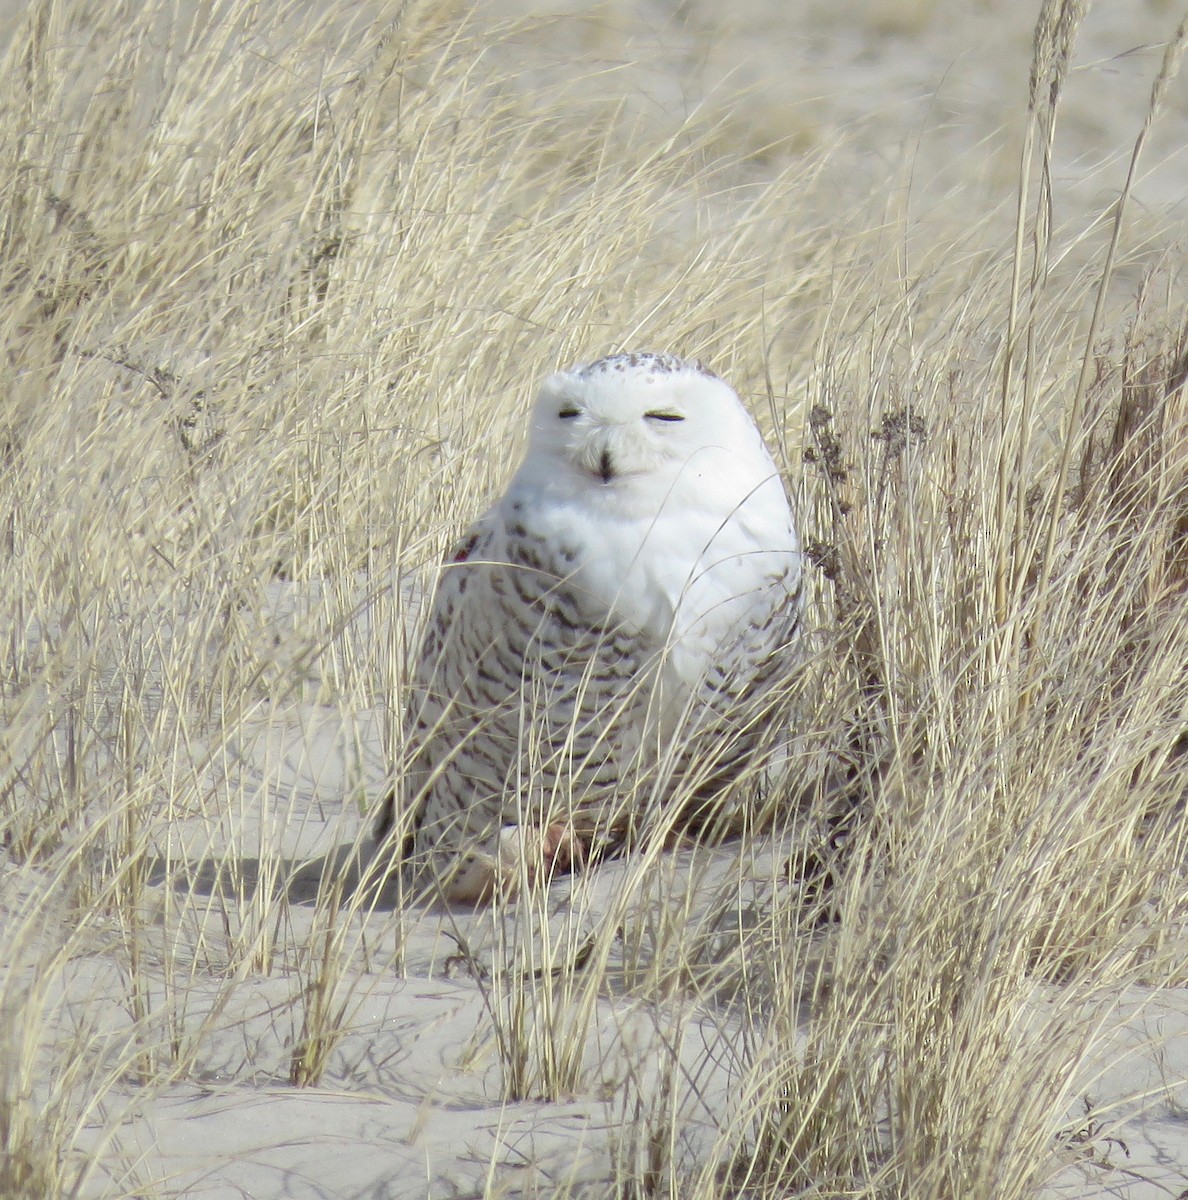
<point>523,854</point>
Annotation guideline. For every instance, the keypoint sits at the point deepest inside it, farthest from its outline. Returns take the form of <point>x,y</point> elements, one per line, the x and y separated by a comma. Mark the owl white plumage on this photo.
<point>603,645</point>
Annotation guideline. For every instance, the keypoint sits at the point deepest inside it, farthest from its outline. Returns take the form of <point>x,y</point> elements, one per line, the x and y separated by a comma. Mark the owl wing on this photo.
<point>527,698</point>
<point>731,720</point>
<point>433,677</point>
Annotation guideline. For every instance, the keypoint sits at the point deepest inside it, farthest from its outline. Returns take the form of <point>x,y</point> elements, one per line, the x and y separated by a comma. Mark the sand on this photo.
<point>412,1100</point>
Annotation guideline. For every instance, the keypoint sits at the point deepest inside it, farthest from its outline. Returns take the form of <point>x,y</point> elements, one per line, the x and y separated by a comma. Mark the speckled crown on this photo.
<point>643,360</point>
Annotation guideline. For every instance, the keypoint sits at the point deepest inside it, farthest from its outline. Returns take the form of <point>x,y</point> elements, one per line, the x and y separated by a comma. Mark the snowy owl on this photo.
<point>603,644</point>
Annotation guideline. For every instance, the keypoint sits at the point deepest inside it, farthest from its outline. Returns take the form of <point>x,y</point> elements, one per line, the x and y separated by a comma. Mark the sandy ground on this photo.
<point>931,93</point>
<point>411,1103</point>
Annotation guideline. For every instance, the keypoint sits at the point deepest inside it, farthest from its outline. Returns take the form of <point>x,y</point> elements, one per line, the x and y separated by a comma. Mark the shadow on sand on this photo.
<point>297,880</point>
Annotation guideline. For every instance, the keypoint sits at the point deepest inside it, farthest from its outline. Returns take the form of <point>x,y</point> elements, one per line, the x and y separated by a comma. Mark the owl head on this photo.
<point>643,418</point>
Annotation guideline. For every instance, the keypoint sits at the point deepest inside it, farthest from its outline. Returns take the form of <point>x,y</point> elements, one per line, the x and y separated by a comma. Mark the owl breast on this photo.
<point>564,658</point>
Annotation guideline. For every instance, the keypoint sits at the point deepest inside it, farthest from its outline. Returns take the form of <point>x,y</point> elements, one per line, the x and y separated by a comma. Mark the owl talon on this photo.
<point>523,853</point>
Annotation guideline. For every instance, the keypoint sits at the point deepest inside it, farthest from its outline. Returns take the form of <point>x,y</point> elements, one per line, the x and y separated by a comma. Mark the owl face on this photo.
<point>638,417</point>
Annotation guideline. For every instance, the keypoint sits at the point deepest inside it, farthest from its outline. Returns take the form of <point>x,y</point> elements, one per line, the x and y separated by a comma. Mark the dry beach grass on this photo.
<point>276,287</point>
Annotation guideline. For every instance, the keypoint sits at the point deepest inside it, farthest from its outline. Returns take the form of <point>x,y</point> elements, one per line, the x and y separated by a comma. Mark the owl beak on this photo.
<point>606,469</point>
